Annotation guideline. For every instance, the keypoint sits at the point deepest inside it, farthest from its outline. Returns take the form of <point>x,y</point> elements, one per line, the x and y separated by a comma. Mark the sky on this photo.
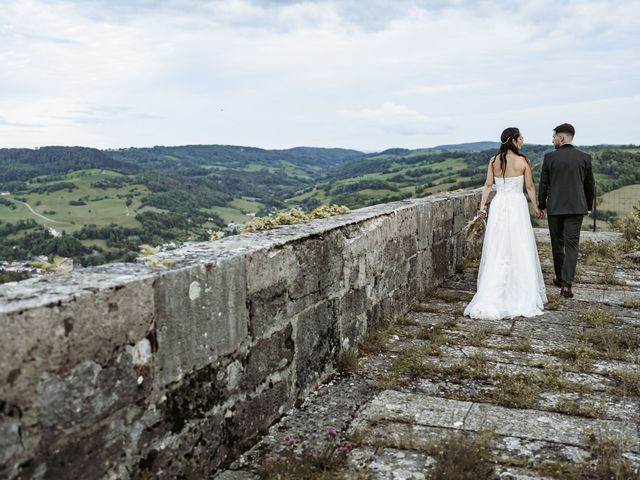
<point>366,74</point>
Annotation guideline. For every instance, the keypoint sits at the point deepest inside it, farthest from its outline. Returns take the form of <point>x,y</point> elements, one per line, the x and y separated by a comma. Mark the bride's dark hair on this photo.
<point>506,143</point>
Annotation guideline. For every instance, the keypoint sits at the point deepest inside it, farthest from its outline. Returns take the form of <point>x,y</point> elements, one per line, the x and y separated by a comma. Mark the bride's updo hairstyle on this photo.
<point>506,143</point>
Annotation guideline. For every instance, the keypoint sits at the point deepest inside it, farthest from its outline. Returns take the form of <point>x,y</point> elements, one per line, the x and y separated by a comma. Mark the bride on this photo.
<point>510,282</point>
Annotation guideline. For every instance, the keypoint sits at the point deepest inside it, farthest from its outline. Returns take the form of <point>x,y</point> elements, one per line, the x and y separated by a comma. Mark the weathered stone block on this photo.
<point>90,394</point>
<point>352,308</point>
<point>269,267</point>
<point>317,342</point>
<point>266,357</point>
<point>260,410</point>
<point>54,338</point>
<point>95,452</point>
<point>11,446</point>
<point>443,258</point>
<point>320,267</point>
<point>201,315</point>
<point>194,453</point>
<point>424,225</point>
<point>196,395</point>
<point>267,308</point>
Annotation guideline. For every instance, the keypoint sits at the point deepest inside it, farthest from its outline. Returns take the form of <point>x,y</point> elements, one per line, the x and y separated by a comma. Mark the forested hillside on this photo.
<point>106,203</point>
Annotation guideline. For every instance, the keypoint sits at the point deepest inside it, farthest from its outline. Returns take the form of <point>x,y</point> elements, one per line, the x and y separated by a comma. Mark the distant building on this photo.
<point>233,225</point>
<point>5,194</point>
<point>55,233</point>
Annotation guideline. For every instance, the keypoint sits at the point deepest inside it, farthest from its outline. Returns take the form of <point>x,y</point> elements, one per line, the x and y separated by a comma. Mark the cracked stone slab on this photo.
<point>333,405</point>
<point>542,235</point>
<point>393,464</point>
<point>604,295</point>
<point>507,449</point>
<point>513,473</point>
<point>521,423</point>
<point>407,407</point>
<point>613,408</point>
<point>549,331</point>
<point>602,405</point>
<point>236,475</point>
<point>547,426</point>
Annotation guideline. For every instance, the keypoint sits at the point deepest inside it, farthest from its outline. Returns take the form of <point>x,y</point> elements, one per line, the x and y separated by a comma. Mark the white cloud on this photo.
<point>329,73</point>
<point>387,113</point>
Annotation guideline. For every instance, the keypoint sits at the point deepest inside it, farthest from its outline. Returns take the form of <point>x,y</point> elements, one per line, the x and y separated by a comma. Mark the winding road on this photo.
<point>39,215</point>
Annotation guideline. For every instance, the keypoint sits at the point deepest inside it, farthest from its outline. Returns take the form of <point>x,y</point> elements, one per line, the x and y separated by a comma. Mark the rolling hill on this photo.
<point>109,202</point>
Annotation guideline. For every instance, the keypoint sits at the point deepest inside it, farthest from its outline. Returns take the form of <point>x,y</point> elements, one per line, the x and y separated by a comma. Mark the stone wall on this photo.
<point>124,370</point>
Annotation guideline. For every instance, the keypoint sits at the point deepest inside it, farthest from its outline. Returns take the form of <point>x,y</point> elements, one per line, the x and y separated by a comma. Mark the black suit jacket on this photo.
<point>566,182</point>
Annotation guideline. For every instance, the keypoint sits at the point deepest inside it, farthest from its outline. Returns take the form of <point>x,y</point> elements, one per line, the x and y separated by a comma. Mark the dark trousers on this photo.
<point>565,237</point>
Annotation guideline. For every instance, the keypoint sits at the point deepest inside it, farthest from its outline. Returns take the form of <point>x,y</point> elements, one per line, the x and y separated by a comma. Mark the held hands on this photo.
<point>483,212</point>
<point>539,213</point>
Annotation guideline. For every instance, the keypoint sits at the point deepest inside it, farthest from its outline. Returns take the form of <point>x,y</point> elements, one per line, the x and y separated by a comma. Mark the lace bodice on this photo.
<point>509,184</point>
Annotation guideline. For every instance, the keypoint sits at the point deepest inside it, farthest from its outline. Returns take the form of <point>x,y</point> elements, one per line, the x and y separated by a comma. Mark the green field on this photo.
<point>395,177</point>
<point>621,200</point>
<point>103,206</point>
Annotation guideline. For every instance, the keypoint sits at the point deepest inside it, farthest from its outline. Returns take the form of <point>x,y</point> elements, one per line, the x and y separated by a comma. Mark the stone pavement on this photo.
<point>556,396</point>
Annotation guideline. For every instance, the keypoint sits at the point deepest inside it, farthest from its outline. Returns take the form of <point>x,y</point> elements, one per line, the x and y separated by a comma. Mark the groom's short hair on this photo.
<point>565,128</point>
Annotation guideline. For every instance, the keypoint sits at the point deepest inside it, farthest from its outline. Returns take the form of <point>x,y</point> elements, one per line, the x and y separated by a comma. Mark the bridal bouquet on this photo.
<point>475,228</point>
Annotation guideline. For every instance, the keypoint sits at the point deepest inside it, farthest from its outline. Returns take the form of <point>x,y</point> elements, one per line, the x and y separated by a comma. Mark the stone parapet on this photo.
<point>124,370</point>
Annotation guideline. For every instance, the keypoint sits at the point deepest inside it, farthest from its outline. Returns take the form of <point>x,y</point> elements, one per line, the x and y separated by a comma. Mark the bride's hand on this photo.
<point>483,212</point>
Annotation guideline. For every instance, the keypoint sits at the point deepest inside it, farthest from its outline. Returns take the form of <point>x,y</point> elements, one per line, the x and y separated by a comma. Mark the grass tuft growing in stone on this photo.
<point>312,458</point>
<point>580,408</point>
<point>596,317</point>
<point>414,362</point>
<point>424,308</point>
<point>450,323</point>
<point>631,304</point>
<point>516,390</point>
<point>521,345</point>
<point>375,340</point>
<point>554,302</point>
<point>611,343</point>
<point>461,456</point>
<point>609,276</point>
<point>478,336</point>
<point>629,382</point>
<point>580,353</point>
<point>431,333</point>
<point>347,362</point>
<point>599,252</point>
<point>553,380</point>
<point>450,296</point>
<point>606,462</point>
<point>472,368</point>
<point>521,390</point>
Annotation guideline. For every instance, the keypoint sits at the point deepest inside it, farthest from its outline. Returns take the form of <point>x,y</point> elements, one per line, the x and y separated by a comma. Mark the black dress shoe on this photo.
<point>557,282</point>
<point>566,292</point>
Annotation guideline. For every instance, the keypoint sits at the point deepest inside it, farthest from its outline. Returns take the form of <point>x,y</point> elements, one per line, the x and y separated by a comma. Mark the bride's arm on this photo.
<point>531,189</point>
<point>486,190</point>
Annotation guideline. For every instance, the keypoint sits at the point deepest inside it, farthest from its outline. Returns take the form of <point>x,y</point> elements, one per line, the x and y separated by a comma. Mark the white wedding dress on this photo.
<point>510,282</point>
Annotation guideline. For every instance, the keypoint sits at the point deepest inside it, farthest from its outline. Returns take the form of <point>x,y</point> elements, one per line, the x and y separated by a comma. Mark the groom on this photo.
<point>566,191</point>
